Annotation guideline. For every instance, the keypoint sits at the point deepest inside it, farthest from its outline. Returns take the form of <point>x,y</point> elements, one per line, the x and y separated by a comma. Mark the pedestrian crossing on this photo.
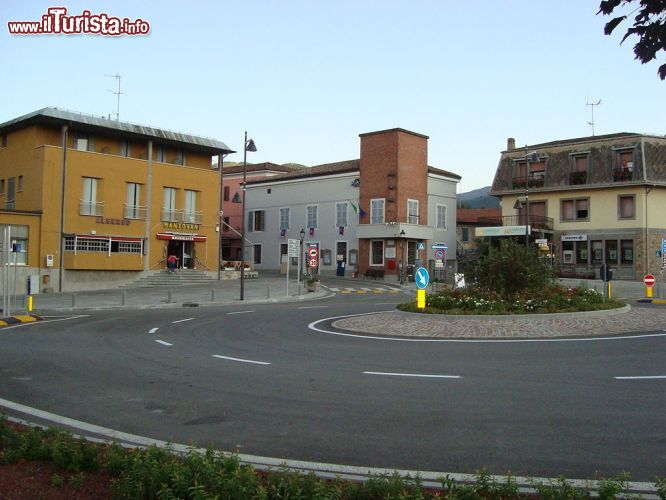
<point>362,290</point>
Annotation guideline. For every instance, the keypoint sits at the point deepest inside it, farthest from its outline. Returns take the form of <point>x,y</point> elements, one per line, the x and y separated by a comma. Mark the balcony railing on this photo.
<point>175,215</point>
<point>87,207</point>
<point>577,178</point>
<point>623,174</point>
<point>536,221</point>
<point>531,181</point>
<point>135,212</point>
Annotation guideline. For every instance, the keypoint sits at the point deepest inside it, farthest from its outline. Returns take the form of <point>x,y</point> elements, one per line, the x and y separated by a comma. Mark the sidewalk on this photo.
<point>265,289</point>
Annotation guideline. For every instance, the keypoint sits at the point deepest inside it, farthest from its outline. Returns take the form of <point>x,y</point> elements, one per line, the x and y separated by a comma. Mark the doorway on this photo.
<point>185,252</point>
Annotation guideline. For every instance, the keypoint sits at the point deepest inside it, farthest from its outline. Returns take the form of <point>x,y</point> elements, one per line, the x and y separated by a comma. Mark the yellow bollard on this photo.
<point>420,299</point>
<point>29,303</point>
<point>648,292</point>
<point>610,295</point>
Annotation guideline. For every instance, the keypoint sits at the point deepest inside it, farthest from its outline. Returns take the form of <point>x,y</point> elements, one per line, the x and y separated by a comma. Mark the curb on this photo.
<point>652,301</point>
<point>15,320</point>
<point>513,317</point>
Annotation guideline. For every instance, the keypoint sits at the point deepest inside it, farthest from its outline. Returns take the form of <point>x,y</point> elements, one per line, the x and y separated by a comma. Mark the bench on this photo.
<point>374,273</point>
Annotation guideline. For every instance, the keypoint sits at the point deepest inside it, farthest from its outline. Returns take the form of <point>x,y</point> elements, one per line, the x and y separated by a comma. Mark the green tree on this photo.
<point>649,25</point>
<point>513,268</point>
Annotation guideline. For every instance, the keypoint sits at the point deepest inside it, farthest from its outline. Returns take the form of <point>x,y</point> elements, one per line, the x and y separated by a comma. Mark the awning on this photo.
<point>181,237</point>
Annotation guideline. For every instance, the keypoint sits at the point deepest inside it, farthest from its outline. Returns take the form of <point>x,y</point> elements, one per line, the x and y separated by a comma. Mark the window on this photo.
<point>160,153</point>
<point>377,211</point>
<point>225,225</point>
<point>124,148</point>
<point>578,174</point>
<point>11,192</point>
<point>441,216</point>
<point>519,175</point>
<point>284,218</point>
<point>180,157</point>
<point>341,214</point>
<point>581,252</point>
<point>624,165</point>
<point>19,187</point>
<point>106,245</point>
<point>190,214</point>
<point>377,253</point>
<point>626,252</point>
<point>256,220</point>
<point>18,237</point>
<point>2,187</point>
<point>412,211</point>
<point>611,252</point>
<point>132,208</point>
<point>89,205</point>
<point>226,193</point>
<point>626,206</point>
<point>81,142</point>
<point>169,206</point>
<point>312,216</point>
<point>574,209</point>
<point>257,254</point>
<point>465,234</point>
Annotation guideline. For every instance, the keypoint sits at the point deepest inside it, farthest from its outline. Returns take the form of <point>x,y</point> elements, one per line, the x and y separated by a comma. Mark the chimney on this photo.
<point>510,144</point>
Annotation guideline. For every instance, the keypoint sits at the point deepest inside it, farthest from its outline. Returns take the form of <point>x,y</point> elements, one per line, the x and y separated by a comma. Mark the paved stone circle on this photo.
<point>599,323</point>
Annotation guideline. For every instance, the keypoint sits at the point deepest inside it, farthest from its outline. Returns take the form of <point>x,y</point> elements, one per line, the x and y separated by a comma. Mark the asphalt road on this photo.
<point>255,378</point>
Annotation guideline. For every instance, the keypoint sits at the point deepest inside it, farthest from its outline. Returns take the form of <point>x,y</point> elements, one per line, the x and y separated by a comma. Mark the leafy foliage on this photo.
<point>649,25</point>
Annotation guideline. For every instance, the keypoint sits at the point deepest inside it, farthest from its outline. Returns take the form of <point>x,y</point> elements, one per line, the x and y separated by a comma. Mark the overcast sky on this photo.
<point>305,77</point>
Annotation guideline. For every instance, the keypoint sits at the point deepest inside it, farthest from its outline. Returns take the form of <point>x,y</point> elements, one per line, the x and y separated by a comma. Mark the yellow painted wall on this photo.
<point>34,225</point>
<point>22,158</point>
<point>103,262</point>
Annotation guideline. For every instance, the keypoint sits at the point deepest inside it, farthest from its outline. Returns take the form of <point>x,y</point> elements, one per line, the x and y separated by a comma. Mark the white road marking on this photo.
<point>182,320</point>
<point>241,312</point>
<point>21,325</point>
<point>313,326</point>
<point>312,307</point>
<point>153,330</point>
<point>649,377</point>
<point>163,343</point>
<point>241,360</point>
<point>418,375</point>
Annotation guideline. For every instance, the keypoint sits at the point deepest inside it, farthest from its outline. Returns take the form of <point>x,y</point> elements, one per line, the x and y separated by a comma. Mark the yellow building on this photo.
<point>593,200</point>
<point>110,206</point>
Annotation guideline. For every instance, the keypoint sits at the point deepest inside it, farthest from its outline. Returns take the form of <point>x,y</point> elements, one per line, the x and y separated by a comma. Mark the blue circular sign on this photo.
<point>422,278</point>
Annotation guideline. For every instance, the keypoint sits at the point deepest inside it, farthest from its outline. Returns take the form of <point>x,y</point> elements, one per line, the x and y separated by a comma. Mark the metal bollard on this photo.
<point>268,292</point>
<point>212,295</point>
<point>73,300</point>
<point>168,296</point>
<point>123,296</point>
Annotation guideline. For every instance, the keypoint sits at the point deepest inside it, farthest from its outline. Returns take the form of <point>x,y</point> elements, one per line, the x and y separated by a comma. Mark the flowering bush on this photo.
<point>553,298</point>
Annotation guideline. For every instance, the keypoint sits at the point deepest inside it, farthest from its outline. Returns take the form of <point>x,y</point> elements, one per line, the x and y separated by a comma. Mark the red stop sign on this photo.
<point>649,280</point>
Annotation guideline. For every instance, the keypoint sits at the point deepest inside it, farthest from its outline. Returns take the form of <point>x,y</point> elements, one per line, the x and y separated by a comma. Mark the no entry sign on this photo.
<point>649,280</point>
<point>313,253</point>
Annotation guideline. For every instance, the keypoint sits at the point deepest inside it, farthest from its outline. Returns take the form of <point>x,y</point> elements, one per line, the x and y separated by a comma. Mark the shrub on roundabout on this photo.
<point>512,279</point>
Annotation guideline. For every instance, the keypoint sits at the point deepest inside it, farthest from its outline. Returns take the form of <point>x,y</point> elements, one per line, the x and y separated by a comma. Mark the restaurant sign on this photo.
<point>181,225</point>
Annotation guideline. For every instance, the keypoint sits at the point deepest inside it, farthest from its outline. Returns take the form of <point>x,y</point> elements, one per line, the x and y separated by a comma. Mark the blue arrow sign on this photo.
<point>422,278</point>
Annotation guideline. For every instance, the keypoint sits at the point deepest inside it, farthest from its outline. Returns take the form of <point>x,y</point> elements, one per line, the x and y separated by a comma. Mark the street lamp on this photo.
<point>247,146</point>
<point>402,256</point>
<point>300,258</point>
<point>530,158</point>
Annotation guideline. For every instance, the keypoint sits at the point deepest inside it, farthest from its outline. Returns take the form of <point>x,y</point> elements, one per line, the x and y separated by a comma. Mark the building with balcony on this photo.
<point>374,215</point>
<point>94,202</point>
<point>467,220</point>
<point>596,200</point>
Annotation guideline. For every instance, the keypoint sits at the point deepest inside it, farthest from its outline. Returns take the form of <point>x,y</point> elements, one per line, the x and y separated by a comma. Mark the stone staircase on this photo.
<point>163,278</point>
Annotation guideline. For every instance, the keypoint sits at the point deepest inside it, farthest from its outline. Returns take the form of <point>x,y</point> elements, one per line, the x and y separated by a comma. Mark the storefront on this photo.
<point>583,254</point>
<point>191,249</point>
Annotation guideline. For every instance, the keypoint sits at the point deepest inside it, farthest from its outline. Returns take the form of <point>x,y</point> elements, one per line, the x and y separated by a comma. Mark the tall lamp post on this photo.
<point>402,245</point>
<point>247,146</point>
<point>530,158</point>
<point>300,259</point>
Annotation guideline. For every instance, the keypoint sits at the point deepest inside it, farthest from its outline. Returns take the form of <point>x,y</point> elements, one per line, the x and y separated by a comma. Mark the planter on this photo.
<point>313,286</point>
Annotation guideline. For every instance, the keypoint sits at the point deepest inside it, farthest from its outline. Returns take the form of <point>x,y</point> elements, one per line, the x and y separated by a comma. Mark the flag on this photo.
<point>312,231</point>
<point>341,230</point>
<point>361,213</point>
<point>283,232</point>
<point>354,207</point>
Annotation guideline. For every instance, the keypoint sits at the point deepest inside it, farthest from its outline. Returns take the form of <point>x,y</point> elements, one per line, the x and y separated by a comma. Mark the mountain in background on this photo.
<point>478,198</point>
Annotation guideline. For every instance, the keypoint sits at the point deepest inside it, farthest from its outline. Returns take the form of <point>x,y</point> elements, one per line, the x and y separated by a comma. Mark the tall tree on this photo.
<point>649,25</point>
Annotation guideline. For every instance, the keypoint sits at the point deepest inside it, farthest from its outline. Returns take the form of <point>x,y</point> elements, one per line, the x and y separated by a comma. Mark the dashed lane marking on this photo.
<point>182,320</point>
<point>241,360</point>
<point>239,312</point>
<point>416,375</point>
<point>647,377</point>
<point>153,330</point>
<point>163,343</point>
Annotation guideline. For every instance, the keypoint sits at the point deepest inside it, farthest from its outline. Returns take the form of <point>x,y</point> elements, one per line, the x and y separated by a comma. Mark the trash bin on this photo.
<point>410,272</point>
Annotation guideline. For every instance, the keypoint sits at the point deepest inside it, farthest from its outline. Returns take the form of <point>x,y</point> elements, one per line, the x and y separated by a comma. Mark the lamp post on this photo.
<point>300,259</point>
<point>530,158</point>
<point>247,146</point>
<point>402,256</point>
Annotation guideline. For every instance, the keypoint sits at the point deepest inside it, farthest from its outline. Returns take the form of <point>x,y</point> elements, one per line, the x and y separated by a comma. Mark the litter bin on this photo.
<point>410,272</point>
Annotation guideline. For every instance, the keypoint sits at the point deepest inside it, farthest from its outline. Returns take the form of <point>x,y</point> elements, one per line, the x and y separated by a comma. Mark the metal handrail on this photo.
<point>91,207</point>
<point>199,262</point>
<point>136,211</point>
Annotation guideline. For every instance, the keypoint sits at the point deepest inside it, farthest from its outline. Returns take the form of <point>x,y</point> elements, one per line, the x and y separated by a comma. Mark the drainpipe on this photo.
<point>64,134</point>
<point>149,207</point>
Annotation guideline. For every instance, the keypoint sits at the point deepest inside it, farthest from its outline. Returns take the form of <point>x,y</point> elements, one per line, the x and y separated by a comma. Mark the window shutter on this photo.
<point>91,144</point>
<point>263,220</point>
<point>250,221</point>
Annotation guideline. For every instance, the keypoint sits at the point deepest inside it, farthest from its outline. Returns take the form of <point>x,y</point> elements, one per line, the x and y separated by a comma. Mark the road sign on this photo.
<point>541,241</point>
<point>439,246</point>
<point>292,250</point>
<point>312,263</point>
<point>313,253</point>
<point>420,246</point>
<point>649,280</point>
<point>422,278</point>
<point>439,254</point>
<point>439,264</point>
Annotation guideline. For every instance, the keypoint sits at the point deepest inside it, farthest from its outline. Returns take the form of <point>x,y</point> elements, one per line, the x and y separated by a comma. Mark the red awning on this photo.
<point>181,237</point>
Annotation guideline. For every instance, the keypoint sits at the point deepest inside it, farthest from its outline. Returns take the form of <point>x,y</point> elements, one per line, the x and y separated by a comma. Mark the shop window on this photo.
<point>567,252</point>
<point>627,252</point>
<point>611,252</point>
<point>377,253</point>
<point>581,252</point>
<point>597,252</point>
<point>627,206</point>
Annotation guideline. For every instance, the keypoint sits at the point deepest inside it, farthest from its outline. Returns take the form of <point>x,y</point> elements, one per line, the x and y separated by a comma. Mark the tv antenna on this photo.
<point>118,93</point>
<point>592,105</point>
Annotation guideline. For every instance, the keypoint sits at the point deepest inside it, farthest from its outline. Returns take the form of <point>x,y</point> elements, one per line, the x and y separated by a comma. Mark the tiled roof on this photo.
<point>476,215</point>
<point>260,167</point>
<point>439,171</point>
<point>326,169</point>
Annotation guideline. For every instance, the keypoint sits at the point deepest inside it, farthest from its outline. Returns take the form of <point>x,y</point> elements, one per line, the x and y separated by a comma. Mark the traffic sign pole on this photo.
<point>649,281</point>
